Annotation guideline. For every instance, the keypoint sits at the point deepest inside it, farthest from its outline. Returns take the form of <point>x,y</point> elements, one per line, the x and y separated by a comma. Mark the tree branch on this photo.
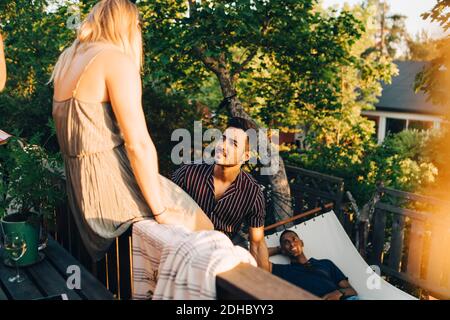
<point>210,63</point>
<point>252,53</point>
<point>244,63</point>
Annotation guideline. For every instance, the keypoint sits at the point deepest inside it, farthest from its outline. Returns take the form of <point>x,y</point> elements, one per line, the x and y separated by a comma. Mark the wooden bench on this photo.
<point>48,278</point>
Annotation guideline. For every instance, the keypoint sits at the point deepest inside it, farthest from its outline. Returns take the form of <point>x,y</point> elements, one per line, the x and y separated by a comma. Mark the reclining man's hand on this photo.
<point>334,295</point>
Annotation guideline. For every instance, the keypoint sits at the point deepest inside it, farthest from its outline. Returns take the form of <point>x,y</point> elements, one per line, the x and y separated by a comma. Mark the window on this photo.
<point>376,121</point>
<point>420,125</point>
<point>395,125</point>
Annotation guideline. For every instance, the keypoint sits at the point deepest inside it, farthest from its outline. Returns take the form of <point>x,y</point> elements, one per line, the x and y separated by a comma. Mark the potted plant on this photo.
<point>31,186</point>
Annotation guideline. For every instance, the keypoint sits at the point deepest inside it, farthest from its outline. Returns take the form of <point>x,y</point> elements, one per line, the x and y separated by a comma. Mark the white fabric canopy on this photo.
<point>324,238</point>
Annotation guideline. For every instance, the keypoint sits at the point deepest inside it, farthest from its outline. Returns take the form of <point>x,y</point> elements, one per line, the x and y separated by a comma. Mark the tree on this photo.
<point>34,36</point>
<point>391,28</point>
<point>235,40</point>
<point>289,62</point>
<point>339,141</point>
<point>423,47</point>
<point>435,79</point>
<point>162,106</point>
<point>357,83</point>
<point>396,34</point>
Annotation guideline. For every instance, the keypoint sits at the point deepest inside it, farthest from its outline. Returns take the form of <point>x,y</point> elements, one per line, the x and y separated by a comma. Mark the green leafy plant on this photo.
<point>31,179</point>
<point>405,161</point>
<point>435,77</point>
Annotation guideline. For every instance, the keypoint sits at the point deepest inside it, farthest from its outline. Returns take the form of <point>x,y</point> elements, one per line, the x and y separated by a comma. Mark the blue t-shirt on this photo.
<point>318,276</point>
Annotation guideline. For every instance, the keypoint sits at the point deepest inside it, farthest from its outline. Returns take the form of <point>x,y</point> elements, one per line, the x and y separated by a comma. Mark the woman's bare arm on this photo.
<point>2,65</point>
<point>123,82</point>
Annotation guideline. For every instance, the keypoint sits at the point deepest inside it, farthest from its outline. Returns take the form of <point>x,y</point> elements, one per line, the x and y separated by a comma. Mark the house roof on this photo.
<point>400,96</point>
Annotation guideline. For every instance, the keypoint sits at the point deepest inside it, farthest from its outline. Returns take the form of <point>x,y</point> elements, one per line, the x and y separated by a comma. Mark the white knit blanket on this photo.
<point>170,262</point>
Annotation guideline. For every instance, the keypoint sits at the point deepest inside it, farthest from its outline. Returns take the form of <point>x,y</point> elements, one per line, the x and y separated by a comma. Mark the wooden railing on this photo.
<point>411,240</point>
<point>246,282</point>
<point>313,193</point>
<point>311,189</point>
<point>114,270</point>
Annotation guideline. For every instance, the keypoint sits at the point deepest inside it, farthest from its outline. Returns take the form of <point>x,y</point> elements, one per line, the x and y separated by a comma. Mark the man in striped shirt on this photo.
<point>227,194</point>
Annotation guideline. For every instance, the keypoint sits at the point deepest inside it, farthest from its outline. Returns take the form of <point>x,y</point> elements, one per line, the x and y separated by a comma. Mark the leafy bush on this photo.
<point>164,113</point>
<point>35,33</point>
<point>405,161</point>
<point>31,179</point>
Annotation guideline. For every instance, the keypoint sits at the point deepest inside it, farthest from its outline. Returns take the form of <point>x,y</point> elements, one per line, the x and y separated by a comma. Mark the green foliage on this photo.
<point>338,140</point>
<point>172,111</point>
<point>292,63</point>
<point>405,161</point>
<point>327,107</point>
<point>423,48</point>
<point>288,40</point>
<point>435,79</point>
<point>390,28</point>
<point>31,179</point>
<point>34,37</point>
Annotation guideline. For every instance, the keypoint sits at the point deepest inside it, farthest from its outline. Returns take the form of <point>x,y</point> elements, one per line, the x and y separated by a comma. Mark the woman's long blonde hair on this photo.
<point>110,21</point>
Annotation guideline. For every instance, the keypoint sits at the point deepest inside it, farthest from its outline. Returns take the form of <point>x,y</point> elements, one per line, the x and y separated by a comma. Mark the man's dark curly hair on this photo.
<point>241,123</point>
<point>287,231</point>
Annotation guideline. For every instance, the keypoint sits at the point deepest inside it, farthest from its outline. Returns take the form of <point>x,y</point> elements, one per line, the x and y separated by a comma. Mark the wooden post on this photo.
<point>378,237</point>
<point>397,237</point>
<point>125,265</point>
<point>439,238</point>
<point>415,251</point>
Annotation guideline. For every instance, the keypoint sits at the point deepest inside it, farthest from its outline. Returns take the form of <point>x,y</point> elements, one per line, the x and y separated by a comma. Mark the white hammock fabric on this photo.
<point>325,238</point>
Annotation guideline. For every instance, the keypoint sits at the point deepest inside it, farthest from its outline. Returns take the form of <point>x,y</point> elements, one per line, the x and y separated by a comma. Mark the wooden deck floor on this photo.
<point>48,278</point>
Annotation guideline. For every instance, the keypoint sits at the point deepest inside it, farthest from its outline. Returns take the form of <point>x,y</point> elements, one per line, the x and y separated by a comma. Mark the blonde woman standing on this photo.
<point>110,160</point>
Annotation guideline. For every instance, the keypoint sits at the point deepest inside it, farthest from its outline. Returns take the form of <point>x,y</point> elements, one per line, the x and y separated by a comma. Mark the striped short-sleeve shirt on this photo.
<point>242,201</point>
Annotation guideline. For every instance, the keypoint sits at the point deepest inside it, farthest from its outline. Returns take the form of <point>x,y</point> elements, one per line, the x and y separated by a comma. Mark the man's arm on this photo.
<point>345,290</point>
<point>273,251</point>
<point>258,247</point>
<point>2,65</point>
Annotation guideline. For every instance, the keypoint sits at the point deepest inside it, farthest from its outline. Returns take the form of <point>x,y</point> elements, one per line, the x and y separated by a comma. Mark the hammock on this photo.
<point>325,238</point>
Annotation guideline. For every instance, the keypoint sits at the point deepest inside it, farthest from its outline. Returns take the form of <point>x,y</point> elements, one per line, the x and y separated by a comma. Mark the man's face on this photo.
<point>232,149</point>
<point>291,245</point>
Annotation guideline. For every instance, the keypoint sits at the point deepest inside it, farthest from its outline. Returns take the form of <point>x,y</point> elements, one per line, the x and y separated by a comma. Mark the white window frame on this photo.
<point>383,115</point>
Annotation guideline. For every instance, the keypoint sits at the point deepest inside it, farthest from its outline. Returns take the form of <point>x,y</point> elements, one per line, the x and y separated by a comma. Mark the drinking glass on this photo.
<point>15,246</point>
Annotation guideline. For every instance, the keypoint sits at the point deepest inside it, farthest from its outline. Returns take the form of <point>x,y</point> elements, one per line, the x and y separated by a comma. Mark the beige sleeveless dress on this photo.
<point>103,194</point>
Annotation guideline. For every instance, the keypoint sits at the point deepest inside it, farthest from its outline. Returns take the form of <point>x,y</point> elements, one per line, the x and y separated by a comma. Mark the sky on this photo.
<point>410,8</point>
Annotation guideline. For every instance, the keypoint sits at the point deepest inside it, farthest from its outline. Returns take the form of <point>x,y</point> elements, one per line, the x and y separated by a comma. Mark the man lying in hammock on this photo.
<point>320,277</point>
